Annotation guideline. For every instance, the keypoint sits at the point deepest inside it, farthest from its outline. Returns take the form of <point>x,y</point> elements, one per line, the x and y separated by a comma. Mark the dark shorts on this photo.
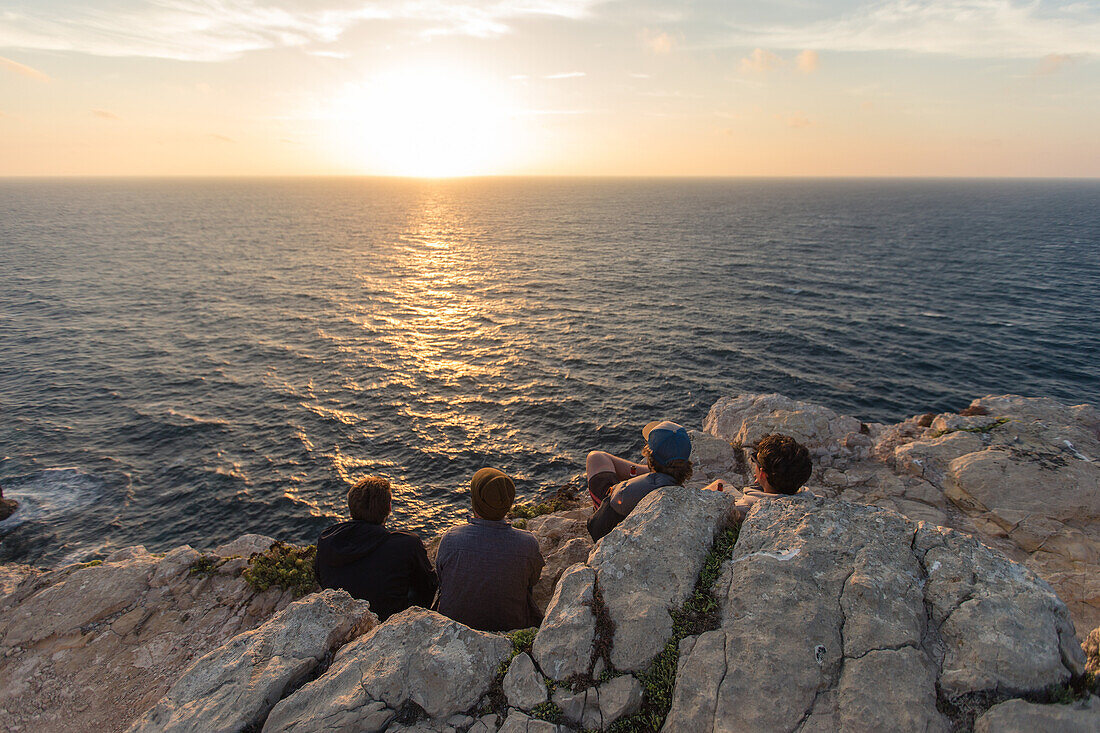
<point>599,485</point>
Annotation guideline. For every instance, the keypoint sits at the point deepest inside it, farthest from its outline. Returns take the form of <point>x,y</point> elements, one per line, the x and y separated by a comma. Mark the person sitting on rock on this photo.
<point>616,485</point>
<point>487,568</point>
<point>389,569</point>
<point>781,465</point>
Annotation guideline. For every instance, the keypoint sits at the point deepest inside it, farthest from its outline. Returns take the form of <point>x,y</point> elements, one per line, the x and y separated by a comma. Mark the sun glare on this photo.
<point>426,123</point>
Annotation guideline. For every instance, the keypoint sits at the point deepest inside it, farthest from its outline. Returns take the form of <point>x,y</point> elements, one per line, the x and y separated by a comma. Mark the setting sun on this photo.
<point>426,122</point>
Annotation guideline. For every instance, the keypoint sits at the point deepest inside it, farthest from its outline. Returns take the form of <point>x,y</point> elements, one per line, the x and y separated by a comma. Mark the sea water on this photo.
<point>189,360</point>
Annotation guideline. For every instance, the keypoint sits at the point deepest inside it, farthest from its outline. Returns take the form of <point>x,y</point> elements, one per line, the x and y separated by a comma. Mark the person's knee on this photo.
<point>596,461</point>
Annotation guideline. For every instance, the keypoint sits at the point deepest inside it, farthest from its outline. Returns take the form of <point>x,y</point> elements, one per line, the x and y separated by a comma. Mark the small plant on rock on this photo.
<point>206,565</point>
<point>547,711</point>
<point>283,565</point>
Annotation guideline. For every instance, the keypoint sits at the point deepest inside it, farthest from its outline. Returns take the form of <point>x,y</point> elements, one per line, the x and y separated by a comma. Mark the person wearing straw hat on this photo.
<point>616,485</point>
<point>488,568</point>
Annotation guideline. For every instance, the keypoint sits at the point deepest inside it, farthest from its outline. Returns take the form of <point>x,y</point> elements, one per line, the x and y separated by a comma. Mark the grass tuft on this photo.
<point>89,564</point>
<point>206,565</point>
<point>548,711</point>
<point>285,566</point>
<point>698,614</point>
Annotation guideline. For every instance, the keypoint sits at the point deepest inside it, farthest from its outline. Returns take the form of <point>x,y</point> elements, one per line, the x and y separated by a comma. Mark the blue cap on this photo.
<point>667,441</point>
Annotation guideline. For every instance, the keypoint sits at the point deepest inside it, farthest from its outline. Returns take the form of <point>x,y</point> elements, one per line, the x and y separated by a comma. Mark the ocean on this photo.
<point>184,361</point>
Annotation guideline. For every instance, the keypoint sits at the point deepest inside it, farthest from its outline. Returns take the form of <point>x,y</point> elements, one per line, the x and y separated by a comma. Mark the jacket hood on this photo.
<point>348,542</point>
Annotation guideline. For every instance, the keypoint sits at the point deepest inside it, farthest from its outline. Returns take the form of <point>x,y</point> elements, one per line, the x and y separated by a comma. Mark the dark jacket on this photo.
<point>487,570</point>
<point>622,498</point>
<point>389,569</point>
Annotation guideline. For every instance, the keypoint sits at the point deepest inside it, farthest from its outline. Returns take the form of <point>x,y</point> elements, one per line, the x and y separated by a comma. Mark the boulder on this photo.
<point>649,564</point>
<point>564,541</point>
<point>234,686</point>
<point>105,641</point>
<point>619,697</point>
<point>563,644</point>
<point>580,709</point>
<point>744,419</point>
<point>417,656</point>
<point>245,546</point>
<point>523,685</point>
<point>874,597</point>
<point>1018,716</point>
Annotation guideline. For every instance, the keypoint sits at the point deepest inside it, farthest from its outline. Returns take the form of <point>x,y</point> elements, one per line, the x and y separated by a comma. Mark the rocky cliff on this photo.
<point>933,580</point>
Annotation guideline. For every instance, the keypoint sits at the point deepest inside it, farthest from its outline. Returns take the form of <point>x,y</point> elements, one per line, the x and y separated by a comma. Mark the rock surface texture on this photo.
<point>881,616</point>
<point>1022,474</point>
<point>939,565</point>
<point>646,566</point>
<point>235,686</point>
<point>1018,716</point>
<point>92,647</point>
<point>417,656</point>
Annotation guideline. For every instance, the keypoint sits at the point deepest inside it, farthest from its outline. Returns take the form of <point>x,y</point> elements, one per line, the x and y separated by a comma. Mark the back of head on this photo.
<point>369,499</point>
<point>668,449</point>
<point>492,493</point>
<point>785,462</point>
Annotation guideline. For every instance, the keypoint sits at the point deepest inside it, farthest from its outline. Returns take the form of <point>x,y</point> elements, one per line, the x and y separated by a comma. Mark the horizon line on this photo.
<point>513,176</point>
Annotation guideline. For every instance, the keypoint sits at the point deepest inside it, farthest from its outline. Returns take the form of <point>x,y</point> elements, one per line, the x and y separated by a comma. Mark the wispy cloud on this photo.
<point>798,120</point>
<point>760,61</point>
<point>22,69</point>
<point>657,42</point>
<point>807,61</point>
<point>968,28</point>
<point>1051,63</point>
<point>566,75</point>
<point>220,138</point>
<point>104,114</point>
<point>217,30</point>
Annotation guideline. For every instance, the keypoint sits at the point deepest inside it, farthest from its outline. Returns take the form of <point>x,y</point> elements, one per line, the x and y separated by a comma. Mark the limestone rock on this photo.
<point>563,645</point>
<point>417,655</point>
<point>581,709</point>
<point>523,685</point>
<point>642,574</point>
<point>235,686</point>
<point>929,459</point>
<point>713,458</point>
<point>619,697</point>
<point>1018,716</point>
<point>877,597</point>
<point>88,647</point>
<point>744,419</point>
<point>245,545</point>
<point>564,541</point>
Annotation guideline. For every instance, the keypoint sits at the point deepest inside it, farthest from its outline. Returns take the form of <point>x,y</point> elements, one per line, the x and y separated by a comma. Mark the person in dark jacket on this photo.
<point>616,485</point>
<point>487,568</point>
<point>389,569</point>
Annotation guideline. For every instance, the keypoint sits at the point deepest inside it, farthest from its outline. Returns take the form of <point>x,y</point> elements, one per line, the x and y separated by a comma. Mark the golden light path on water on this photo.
<point>423,316</point>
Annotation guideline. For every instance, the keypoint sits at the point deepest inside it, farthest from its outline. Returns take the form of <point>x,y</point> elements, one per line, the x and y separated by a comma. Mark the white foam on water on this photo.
<point>47,494</point>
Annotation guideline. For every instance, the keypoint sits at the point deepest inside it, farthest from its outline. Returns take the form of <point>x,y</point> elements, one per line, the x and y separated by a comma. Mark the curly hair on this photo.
<point>679,469</point>
<point>369,499</point>
<point>785,462</point>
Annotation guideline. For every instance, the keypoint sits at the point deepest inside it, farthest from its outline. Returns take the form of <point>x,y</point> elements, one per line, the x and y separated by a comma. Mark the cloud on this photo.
<point>220,138</point>
<point>966,28</point>
<point>22,70</point>
<point>1052,63</point>
<point>219,30</point>
<point>807,61</point>
<point>798,120</point>
<point>104,114</point>
<point>657,42</point>
<point>566,75</point>
<point>760,61</point>
<point>634,75</point>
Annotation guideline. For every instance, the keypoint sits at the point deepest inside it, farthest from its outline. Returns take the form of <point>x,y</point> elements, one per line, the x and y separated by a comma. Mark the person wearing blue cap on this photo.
<point>616,485</point>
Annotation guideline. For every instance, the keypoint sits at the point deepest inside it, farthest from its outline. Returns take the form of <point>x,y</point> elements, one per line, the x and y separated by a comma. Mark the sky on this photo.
<point>549,87</point>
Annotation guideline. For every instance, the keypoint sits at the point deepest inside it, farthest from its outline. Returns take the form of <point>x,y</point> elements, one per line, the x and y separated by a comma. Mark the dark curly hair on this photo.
<point>679,469</point>
<point>369,499</point>
<point>785,462</point>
